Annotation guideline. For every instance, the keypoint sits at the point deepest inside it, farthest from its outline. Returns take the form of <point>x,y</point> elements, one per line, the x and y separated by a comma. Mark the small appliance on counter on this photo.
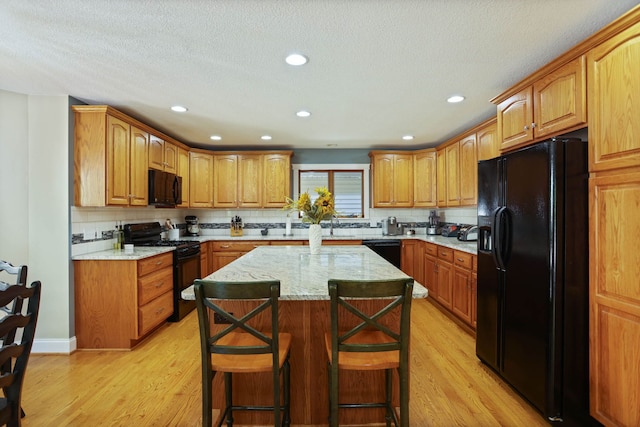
<point>468,233</point>
<point>236,226</point>
<point>193,227</point>
<point>433,227</point>
<point>391,227</point>
<point>450,230</point>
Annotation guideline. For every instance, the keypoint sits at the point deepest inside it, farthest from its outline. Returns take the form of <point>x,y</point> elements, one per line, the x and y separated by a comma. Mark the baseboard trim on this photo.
<point>54,346</point>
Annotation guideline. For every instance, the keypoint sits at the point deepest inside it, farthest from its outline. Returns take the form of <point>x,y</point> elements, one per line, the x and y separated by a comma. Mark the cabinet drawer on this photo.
<point>154,284</point>
<point>227,246</point>
<point>431,249</point>
<point>158,262</point>
<point>445,254</point>
<point>463,259</point>
<point>154,313</point>
<point>287,242</point>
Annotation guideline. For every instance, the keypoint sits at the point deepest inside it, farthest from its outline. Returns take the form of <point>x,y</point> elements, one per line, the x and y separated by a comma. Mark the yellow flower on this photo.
<point>323,207</point>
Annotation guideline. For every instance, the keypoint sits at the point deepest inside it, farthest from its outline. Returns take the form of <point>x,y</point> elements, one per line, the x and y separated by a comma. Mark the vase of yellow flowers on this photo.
<point>323,207</point>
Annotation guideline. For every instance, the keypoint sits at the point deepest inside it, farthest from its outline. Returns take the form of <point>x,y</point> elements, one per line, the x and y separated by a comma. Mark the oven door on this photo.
<point>187,269</point>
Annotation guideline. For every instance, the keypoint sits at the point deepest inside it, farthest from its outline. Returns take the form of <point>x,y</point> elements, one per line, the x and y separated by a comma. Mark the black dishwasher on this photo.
<point>388,249</point>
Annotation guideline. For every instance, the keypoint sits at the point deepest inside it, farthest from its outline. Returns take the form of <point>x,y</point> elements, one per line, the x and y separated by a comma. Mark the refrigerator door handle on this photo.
<point>498,230</point>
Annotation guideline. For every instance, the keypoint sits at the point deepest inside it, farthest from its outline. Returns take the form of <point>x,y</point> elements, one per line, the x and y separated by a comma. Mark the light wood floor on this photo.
<point>158,384</point>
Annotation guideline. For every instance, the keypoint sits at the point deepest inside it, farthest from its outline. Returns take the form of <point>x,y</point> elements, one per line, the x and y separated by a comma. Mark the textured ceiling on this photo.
<point>378,69</point>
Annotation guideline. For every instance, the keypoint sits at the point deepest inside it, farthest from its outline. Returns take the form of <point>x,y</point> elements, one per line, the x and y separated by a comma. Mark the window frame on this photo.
<point>352,167</point>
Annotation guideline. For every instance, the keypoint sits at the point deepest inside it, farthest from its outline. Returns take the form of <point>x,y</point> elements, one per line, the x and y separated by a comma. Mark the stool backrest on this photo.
<point>20,273</point>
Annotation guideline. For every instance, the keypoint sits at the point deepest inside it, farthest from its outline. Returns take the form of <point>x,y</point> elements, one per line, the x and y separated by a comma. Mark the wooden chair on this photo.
<point>11,381</point>
<point>20,273</point>
<point>240,348</point>
<point>370,345</point>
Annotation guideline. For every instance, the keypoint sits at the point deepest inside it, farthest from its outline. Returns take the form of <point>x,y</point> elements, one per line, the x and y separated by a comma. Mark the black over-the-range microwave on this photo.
<point>165,189</point>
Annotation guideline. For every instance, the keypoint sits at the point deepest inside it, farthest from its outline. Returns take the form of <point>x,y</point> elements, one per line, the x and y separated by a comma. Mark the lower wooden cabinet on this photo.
<point>412,259</point>
<point>224,252</point>
<point>117,303</point>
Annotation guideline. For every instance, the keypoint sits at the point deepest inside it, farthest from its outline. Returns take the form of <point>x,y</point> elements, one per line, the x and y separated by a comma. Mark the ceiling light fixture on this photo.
<point>179,109</point>
<point>407,137</point>
<point>332,145</point>
<point>303,113</point>
<point>266,137</point>
<point>455,98</point>
<point>296,59</point>
<point>215,137</point>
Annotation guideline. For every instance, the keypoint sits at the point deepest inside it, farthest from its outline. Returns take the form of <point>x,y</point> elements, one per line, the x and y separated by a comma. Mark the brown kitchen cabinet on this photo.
<point>276,184</point>
<point>224,252</point>
<point>487,141</point>
<point>452,155</point>
<point>119,302</point>
<point>392,179</point>
<point>237,180</point>
<point>468,171</point>
<point>163,155</point>
<point>441,177</point>
<point>205,268</point>
<point>412,259</point>
<point>462,289</point>
<point>424,178</point>
<point>183,172</point>
<point>200,179</point>
<point>110,158</point>
<point>554,104</point>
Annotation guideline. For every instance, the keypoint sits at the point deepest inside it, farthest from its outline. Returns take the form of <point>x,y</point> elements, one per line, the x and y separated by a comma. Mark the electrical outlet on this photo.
<point>219,320</point>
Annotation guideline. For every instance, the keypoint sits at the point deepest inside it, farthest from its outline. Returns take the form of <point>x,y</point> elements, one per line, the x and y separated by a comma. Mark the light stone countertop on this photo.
<point>120,255</point>
<point>304,276</point>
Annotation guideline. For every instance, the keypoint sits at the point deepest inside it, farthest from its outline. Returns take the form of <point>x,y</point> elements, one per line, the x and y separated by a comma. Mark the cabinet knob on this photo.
<point>533,125</point>
<point>526,128</point>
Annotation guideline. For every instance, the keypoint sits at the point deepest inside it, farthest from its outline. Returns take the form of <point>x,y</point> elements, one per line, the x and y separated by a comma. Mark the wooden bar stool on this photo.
<point>240,348</point>
<point>370,345</point>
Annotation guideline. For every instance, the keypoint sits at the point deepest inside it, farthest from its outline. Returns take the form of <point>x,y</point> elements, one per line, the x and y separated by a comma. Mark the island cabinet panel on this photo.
<point>307,321</point>
<point>118,302</point>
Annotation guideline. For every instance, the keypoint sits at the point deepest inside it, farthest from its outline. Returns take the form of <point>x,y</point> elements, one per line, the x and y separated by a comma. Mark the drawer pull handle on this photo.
<point>225,246</point>
<point>159,311</point>
<point>159,263</point>
<point>460,259</point>
<point>159,284</point>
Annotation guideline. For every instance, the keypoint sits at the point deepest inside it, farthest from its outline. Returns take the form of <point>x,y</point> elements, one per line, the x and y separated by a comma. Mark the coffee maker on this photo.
<point>391,227</point>
<point>193,227</point>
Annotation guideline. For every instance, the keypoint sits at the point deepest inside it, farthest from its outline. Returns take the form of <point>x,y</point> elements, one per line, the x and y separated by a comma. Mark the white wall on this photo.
<point>35,220</point>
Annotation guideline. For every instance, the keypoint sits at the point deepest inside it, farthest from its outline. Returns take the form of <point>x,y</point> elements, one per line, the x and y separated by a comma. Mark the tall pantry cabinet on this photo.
<point>614,223</point>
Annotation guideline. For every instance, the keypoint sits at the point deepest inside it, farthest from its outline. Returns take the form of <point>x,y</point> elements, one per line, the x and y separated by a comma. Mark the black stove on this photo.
<point>186,261</point>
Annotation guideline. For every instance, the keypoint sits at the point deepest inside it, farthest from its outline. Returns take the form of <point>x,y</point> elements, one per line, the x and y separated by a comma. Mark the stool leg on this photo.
<point>228,389</point>
<point>287,393</point>
<point>276,397</point>
<point>388,386</point>
<point>207,378</point>
<point>404,395</point>
<point>333,395</point>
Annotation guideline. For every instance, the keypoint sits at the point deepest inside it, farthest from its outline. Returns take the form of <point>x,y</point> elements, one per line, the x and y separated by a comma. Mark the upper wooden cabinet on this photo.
<point>237,180</point>
<point>441,177</point>
<point>200,180</point>
<point>487,141</point>
<point>614,102</point>
<point>110,158</point>
<point>163,155</point>
<point>276,169</point>
<point>452,155</point>
<point>468,170</point>
<point>183,171</point>
<point>424,178</point>
<point>392,179</point>
<point>554,104</point>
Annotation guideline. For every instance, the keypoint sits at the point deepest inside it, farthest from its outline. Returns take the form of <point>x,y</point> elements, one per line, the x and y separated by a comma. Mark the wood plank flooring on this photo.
<point>158,383</point>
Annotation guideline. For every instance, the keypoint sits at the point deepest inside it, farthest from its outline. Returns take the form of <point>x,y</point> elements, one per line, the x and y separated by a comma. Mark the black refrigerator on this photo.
<point>532,294</point>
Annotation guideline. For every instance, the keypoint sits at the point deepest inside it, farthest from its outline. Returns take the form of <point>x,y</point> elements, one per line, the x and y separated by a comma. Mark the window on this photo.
<point>346,182</point>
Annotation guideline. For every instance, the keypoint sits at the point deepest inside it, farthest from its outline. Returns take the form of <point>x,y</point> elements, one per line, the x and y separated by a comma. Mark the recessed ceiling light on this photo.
<point>303,113</point>
<point>407,137</point>
<point>179,109</point>
<point>296,59</point>
<point>265,137</point>
<point>455,98</point>
<point>215,137</point>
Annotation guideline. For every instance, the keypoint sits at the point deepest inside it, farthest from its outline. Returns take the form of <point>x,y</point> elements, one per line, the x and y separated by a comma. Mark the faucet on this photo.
<point>337,222</point>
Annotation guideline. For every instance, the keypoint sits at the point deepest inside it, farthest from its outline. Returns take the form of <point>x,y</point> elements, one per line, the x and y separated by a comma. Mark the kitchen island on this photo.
<point>304,312</point>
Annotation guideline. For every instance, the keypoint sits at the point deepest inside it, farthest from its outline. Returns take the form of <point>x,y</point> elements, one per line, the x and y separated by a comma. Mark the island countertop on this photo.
<point>304,276</point>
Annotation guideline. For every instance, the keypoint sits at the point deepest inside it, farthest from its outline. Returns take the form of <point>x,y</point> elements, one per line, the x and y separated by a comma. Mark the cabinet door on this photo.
<point>250,181</point>
<point>424,179</point>
<point>461,294</point>
<point>156,152</point>
<point>183,171</point>
<point>515,115</point>
<point>277,179</point>
<point>559,99</point>
<point>614,297</point>
<point>407,259</point>
<point>225,181</point>
<point>445,283</point>
<point>139,178</point>
<point>220,259</point>
<point>201,180</point>
<point>382,180</point>
<point>487,141</point>
<point>170,157</point>
<point>614,102</point>
<point>403,180</point>
<point>453,174</point>
<point>441,182</point>
<point>468,171</point>
<point>118,145</point>
<point>430,276</point>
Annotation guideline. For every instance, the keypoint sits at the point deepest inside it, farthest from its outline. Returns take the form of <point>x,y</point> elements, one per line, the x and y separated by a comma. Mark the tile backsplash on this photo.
<point>92,228</point>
